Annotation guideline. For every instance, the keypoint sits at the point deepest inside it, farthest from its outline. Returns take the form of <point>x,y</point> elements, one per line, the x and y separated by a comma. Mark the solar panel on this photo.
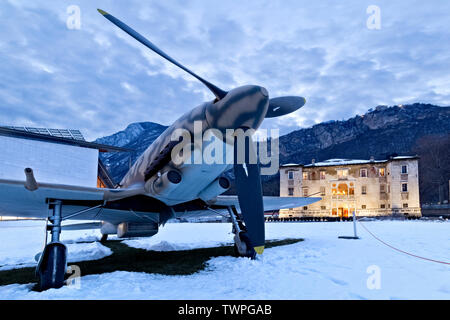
<point>62,133</point>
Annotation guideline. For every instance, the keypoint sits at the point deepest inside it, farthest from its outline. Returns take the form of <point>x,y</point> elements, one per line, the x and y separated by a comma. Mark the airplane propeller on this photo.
<point>277,106</point>
<point>219,93</point>
<point>249,192</point>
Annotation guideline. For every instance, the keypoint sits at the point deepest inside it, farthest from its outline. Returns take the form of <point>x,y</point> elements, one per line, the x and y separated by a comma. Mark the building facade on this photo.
<point>58,156</point>
<point>367,187</point>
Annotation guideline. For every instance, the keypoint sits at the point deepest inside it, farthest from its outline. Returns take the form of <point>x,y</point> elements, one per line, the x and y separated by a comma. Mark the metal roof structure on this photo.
<point>342,162</point>
<point>62,136</point>
<point>62,133</point>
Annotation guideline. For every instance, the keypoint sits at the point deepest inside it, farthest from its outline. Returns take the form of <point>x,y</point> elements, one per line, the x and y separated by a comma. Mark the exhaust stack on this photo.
<point>30,182</point>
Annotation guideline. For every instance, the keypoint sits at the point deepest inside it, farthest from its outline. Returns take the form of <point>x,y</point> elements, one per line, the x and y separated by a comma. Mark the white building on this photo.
<point>368,187</point>
<point>57,156</point>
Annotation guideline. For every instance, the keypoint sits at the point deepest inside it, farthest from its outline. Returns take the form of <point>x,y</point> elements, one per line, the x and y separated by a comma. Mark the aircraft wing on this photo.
<point>270,203</point>
<point>16,200</point>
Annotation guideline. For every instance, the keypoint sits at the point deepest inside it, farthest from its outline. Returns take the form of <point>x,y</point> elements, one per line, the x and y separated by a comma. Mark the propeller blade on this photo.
<point>219,93</point>
<point>284,105</point>
<point>249,191</point>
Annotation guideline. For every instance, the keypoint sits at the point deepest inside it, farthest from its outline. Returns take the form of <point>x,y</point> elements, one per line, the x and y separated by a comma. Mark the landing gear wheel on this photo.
<point>104,238</point>
<point>52,266</point>
<point>243,246</point>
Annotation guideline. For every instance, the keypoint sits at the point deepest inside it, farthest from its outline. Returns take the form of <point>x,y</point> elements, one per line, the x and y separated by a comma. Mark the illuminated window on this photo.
<point>305,175</point>
<point>334,212</point>
<point>363,173</point>
<point>342,189</point>
<point>342,173</point>
<point>381,172</point>
<point>322,175</point>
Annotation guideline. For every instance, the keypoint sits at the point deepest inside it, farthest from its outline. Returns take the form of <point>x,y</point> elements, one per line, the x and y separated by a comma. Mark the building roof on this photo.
<point>62,133</point>
<point>345,162</point>
<point>62,136</point>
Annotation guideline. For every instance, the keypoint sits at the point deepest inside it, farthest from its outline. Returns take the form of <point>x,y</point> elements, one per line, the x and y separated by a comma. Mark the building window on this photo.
<point>381,172</point>
<point>342,173</point>
<point>322,175</point>
<point>305,176</point>
<point>334,211</point>
<point>383,206</point>
<point>404,169</point>
<point>363,173</point>
<point>305,192</point>
<point>405,205</point>
<point>291,191</point>
<point>291,175</point>
<point>363,206</point>
<point>305,208</point>
<point>322,191</point>
<point>382,188</point>
<point>323,208</point>
<point>404,187</point>
<point>363,190</point>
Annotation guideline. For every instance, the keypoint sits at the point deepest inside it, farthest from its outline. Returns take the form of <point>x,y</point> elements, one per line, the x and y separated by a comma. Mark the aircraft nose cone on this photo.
<point>242,107</point>
<point>264,92</point>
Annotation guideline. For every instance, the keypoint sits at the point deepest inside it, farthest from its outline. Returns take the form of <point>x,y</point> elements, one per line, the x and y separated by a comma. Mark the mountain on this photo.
<point>137,137</point>
<point>379,133</point>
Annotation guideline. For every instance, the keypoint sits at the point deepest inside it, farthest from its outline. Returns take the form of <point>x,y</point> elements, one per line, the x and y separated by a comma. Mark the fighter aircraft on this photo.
<point>155,189</point>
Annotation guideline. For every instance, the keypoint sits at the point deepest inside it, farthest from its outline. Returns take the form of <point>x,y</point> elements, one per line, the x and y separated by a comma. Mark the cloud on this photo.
<point>99,80</point>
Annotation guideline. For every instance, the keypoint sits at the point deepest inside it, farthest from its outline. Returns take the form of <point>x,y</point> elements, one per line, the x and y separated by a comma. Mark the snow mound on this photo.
<point>87,251</point>
<point>169,246</point>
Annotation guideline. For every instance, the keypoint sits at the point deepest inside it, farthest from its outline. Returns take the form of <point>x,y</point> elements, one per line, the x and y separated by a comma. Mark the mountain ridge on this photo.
<point>380,132</point>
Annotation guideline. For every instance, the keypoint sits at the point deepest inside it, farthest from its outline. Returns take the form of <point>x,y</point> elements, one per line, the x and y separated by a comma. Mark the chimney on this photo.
<point>313,161</point>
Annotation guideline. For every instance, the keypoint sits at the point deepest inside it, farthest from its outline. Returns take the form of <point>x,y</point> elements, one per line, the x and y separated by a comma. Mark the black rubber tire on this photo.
<point>51,269</point>
<point>104,238</point>
<point>251,253</point>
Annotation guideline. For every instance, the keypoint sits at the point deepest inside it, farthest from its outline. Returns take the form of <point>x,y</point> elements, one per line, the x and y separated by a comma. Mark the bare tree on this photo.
<point>434,167</point>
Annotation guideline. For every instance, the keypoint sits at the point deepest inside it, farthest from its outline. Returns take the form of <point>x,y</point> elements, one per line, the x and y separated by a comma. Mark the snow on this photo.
<point>321,267</point>
<point>22,240</point>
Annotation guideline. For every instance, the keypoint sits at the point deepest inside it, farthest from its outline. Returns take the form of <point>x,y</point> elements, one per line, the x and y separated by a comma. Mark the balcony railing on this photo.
<point>343,197</point>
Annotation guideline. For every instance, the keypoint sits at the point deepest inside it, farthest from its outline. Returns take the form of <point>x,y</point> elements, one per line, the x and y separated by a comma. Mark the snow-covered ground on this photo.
<point>321,267</point>
<point>22,240</point>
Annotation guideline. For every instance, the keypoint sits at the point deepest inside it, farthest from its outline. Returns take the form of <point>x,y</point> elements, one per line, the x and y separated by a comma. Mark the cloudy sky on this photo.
<point>97,79</point>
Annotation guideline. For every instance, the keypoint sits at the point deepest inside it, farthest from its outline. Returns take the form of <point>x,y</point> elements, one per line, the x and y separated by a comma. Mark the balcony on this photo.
<point>404,177</point>
<point>343,197</point>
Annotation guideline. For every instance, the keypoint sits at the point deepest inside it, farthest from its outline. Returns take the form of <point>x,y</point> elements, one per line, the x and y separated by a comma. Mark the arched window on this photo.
<point>342,189</point>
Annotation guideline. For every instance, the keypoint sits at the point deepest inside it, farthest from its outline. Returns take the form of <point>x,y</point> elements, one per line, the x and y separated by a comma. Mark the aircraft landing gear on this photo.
<point>52,265</point>
<point>242,243</point>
